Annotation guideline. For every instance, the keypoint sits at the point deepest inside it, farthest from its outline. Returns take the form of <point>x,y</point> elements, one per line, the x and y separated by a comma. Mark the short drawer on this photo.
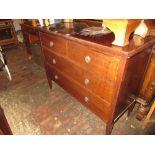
<point>96,62</point>
<point>92,102</point>
<point>54,43</point>
<point>95,83</point>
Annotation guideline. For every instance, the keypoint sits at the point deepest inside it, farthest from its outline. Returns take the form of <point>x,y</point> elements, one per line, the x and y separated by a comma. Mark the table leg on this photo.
<point>28,45</point>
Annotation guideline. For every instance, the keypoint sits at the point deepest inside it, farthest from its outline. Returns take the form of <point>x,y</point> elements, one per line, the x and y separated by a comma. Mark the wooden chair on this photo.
<point>148,117</point>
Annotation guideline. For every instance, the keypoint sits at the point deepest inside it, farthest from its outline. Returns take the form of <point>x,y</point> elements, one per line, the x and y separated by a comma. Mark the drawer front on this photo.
<point>94,61</point>
<point>92,102</point>
<point>54,43</point>
<point>95,83</point>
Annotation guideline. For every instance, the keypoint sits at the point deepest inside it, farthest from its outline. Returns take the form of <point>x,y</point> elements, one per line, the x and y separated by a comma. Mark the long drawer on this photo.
<point>95,83</point>
<point>54,43</point>
<point>94,103</point>
<point>93,60</point>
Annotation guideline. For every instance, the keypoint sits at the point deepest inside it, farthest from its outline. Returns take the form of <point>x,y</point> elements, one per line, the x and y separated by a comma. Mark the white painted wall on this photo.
<point>16,24</point>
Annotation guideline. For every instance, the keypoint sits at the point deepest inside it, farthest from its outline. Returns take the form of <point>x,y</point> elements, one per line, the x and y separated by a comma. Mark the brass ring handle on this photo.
<point>86,99</point>
<point>56,77</point>
<point>87,81</point>
<point>87,59</point>
<point>51,44</point>
<point>54,61</point>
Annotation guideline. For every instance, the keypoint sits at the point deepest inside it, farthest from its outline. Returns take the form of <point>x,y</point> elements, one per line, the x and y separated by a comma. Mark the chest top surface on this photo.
<point>71,31</point>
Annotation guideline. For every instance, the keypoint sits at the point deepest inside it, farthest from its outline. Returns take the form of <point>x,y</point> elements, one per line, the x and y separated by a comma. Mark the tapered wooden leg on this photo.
<point>4,126</point>
<point>109,128</point>
<point>28,45</point>
<point>48,77</point>
<point>49,82</point>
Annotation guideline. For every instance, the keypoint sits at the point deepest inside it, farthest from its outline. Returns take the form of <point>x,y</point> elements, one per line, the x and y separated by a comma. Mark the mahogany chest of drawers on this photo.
<point>101,76</point>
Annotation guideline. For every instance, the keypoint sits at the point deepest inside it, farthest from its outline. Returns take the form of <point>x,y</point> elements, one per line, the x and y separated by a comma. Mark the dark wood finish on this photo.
<point>135,68</point>
<point>148,118</point>
<point>114,73</point>
<point>4,126</point>
<point>30,35</point>
<point>142,111</point>
<point>30,22</point>
<point>94,102</point>
<point>147,91</point>
<point>89,22</point>
<point>8,24</point>
<point>54,43</point>
<point>96,82</point>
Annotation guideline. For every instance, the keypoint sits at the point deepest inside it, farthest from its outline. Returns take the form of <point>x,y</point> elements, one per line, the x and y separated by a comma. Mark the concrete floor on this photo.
<point>32,109</point>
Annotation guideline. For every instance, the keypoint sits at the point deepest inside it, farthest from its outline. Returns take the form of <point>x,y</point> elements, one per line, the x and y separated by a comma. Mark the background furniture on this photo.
<point>7,32</point>
<point>30,36</point>
<point>148,88</point>
<point>89,22</point>
<point>32,43</point>
<point>101,76</point>
<point>3,63</point>
<point>122,28</point>
<point>4,126</point>
<point>148,117</point>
